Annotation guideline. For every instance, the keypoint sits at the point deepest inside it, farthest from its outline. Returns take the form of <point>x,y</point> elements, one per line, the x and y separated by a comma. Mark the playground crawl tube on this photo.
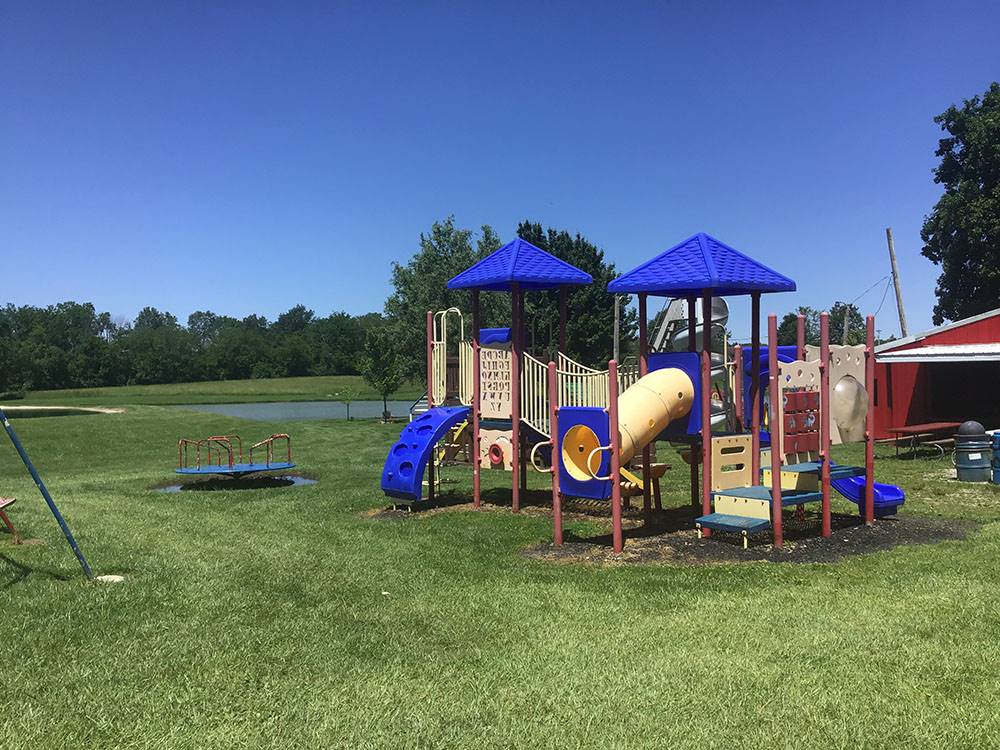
<point>644,411</point>
<point>403,474</point>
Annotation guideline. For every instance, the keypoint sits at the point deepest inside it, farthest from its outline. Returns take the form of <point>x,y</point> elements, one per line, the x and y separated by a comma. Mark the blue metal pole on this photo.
<point>45,494</point>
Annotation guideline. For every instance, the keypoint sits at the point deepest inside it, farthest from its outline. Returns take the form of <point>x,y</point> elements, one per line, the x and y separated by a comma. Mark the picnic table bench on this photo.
<point>929,433</point>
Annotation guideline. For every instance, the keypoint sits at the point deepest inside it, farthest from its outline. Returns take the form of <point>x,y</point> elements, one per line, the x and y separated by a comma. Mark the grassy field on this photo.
<point>286,618</point>
<point>319,388</point>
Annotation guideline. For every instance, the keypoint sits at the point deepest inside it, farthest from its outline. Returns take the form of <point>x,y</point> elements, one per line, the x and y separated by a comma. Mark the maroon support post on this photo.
<point>773,420</point>
<point>476,396</point>
<point>755,385</point>
<point>643,370</point>
<point>616,446</point>
<point>430,395</point>
<point>869,511</point>
<point>692,347</point>
<point>800,337</point>
<point>557,532</point>
<point>824,417</point>
<point>738,383</point>
<point>706,402</point>
<point>515,394</point>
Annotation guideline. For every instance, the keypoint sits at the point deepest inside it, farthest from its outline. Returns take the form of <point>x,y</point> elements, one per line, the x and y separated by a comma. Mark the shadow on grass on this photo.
<point>22,571</point>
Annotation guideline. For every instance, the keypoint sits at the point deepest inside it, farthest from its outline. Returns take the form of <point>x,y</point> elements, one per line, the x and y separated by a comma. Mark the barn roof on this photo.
<point>908,340</point>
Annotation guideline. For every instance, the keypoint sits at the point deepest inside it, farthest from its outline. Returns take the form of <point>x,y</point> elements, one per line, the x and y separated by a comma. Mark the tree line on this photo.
<point>72,345</point>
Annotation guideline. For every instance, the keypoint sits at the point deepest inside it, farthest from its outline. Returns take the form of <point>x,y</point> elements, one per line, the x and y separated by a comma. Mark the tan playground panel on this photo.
<point>742,506</point>
<point>731,464</point>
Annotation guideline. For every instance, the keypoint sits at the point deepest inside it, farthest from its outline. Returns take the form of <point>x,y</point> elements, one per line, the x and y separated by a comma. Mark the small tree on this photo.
<point>346,395</point>
<point>381,364</point>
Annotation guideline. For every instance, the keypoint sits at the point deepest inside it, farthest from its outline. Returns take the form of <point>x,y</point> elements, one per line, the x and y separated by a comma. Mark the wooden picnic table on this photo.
<point>916,431</point>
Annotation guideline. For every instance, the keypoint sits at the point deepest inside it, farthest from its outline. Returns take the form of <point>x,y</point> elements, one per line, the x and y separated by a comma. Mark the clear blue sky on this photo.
<point>245,157</point>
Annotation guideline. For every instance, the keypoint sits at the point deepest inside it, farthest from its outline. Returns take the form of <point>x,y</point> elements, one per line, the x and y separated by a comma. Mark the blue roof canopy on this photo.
<point>521,262</point>
<point>698,263</point>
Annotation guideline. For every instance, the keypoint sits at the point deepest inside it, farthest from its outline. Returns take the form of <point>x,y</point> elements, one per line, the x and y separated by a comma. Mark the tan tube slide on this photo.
<point>644,411</point>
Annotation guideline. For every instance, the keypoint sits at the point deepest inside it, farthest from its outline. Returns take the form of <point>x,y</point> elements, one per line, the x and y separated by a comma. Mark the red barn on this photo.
<point>948,374</point>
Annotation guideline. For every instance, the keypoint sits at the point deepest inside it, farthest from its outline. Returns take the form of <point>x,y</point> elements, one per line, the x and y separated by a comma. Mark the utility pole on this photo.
<point>895,281</point>
<point>847,323</point>
<point>614,354</point>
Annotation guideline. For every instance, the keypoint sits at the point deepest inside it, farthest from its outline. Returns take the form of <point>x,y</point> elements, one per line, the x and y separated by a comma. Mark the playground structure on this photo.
<point>221,457</point>
<point>599,427</point>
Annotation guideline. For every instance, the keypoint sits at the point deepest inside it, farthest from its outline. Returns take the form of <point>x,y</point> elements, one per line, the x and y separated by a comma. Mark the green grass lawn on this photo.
<point>319,388</point>
<point>284,618</point>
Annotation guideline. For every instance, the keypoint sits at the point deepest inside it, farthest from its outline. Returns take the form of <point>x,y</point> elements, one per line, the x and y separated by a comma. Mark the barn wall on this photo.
<point>907,392</point>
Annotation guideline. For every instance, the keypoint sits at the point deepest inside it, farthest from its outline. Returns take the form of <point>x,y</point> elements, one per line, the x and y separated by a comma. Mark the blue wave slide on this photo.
<point>887,497</point>
<point>403,474</point>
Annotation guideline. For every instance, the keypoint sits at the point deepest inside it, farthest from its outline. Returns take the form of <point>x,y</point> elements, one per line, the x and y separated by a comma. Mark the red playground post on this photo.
<point>557,532</point>
<point>430,395</point>
<point>706,403</point>
<point>692,347</point>
<point>476,396</point>
<point>824,417</point>
<point>517,309</point>
<point>755,386</point>
<point>616,446</point>
<point>643,371</point>
<point>869,509</point>
<point>774,429</point>
<point>800,337</point>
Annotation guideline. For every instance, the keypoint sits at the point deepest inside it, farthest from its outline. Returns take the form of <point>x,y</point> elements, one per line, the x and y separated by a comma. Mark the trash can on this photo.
<point>973,453</point>
<point>996,458</point>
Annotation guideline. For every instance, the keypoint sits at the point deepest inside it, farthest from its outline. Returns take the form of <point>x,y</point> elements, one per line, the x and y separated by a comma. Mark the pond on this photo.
<point>299,410</point>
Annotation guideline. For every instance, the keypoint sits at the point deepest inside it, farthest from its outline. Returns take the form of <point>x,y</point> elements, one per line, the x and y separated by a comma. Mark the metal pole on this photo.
<point>616,445</point>
<point>895,281</point>
<point>773,422</point>
<point>869,511</point>
<point>476,399</point>
<point>45,494</point>
<point>557,531</point>
<point>824,417</point>
<point>643,370</point>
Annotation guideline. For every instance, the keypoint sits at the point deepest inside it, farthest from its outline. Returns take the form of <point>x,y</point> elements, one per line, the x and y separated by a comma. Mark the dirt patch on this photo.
<point>803,543</point>
<point>669,536</point>
<point>248,482</point>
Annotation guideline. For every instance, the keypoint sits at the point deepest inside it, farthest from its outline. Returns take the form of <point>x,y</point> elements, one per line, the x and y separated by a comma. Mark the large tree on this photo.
<point>962,233</point>
<point>590,308</point>
<point>422,284</point>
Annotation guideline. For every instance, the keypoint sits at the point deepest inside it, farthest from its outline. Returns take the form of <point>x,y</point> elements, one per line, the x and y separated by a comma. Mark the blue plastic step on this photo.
<point>403,474</point>
<point>813,467</point>
<point>727,522</point>
<point>759,492</point>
